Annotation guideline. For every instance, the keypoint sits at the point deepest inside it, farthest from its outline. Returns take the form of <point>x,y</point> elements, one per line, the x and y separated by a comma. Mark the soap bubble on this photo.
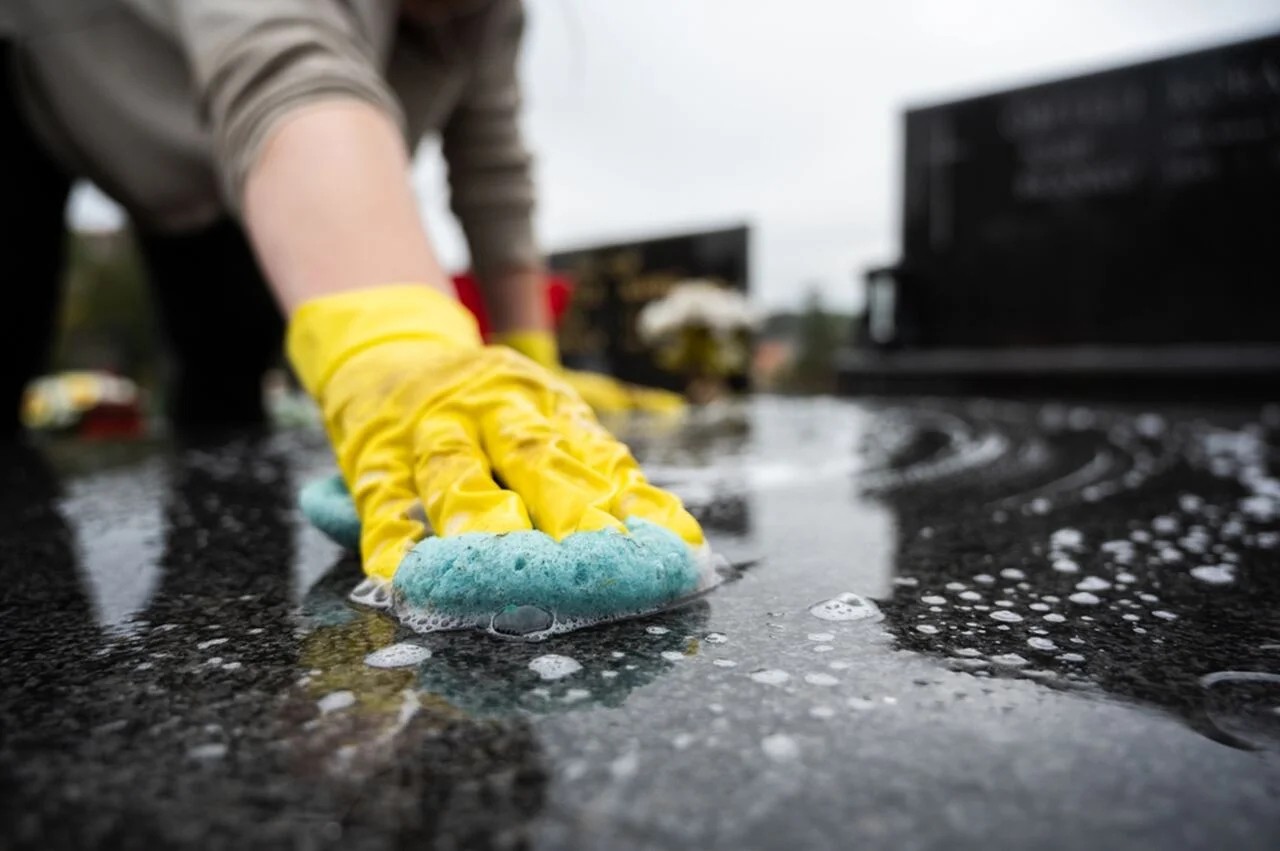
<point>402,655</point>
<point>554,667</point>
<point>845,607</point>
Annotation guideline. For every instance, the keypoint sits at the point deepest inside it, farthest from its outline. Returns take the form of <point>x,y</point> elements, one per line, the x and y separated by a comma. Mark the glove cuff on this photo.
<point>538,346</point>
<point>327,331</point>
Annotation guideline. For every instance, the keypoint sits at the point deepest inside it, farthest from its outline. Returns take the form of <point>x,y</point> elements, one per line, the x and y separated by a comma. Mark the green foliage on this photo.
<point>107,320</point>
<point>817,335</point>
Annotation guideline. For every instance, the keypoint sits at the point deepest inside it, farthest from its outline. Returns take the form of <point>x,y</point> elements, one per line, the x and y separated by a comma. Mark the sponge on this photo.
<point>327,504</point>
<point>523,584</point>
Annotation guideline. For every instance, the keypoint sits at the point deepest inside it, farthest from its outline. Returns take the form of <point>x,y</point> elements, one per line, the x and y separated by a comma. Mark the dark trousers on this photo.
<point>221,327</point>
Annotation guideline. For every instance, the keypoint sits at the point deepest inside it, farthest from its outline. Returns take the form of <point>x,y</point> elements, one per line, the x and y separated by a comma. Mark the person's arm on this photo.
<point>491,188</point>
<point>329,207</point>
<point>425,421</point>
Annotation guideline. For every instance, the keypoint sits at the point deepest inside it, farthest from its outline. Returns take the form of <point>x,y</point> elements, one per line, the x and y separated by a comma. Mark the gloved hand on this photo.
<point>605,395</point>
<point>427,420</point>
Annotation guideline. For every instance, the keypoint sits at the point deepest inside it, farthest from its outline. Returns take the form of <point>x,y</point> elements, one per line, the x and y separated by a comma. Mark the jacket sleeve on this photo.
<point>254,61</point>
<point>490,181</point>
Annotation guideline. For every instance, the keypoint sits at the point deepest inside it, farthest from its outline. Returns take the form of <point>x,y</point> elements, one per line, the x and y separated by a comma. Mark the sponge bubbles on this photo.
<point>529,586</point>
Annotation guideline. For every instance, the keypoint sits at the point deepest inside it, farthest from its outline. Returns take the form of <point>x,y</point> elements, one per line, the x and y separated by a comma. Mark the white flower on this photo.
<point>695,303</point>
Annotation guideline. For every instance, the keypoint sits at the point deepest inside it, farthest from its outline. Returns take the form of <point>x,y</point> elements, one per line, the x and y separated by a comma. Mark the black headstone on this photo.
<point>612,283</point>
<point>1135,206</point>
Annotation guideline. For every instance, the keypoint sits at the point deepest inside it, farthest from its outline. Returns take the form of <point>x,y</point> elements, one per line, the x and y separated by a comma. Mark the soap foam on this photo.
<point>402,655</point>
<point>475,581</point>
<point>554,667</point>
<point>845,607</point>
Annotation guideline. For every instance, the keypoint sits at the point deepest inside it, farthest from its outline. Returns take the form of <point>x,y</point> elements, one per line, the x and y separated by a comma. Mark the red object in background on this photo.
<point>559,291</point>
<point>112,422</point>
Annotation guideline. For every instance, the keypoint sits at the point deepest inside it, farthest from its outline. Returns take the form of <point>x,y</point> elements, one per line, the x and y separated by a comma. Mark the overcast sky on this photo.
<point>663,115</point>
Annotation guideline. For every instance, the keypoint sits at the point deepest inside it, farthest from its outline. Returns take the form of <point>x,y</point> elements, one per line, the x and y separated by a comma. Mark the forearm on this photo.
<point>329,208</point>
<point>516,301</point>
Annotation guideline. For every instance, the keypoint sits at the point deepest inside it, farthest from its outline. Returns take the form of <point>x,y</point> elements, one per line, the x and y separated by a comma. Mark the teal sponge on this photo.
<point>327,504</point>
<point>523,584</point>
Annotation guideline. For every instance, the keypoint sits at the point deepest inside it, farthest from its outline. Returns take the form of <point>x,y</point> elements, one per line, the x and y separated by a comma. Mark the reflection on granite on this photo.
<point>1077,644</point>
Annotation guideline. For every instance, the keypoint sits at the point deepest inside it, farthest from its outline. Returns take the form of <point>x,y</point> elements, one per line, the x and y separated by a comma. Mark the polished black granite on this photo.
<point>1078,646</point>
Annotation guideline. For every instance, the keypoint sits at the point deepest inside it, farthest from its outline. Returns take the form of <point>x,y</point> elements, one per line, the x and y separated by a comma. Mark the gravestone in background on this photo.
<point>1135,206</point>
<point>611,283</point>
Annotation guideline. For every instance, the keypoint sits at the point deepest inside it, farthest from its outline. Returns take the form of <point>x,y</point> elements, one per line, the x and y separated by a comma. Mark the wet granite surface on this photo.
<point>1077,645</point>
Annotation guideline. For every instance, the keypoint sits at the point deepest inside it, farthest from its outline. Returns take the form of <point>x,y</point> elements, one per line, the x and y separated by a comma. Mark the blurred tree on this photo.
<point>819,336</point>
<point>107,320</point>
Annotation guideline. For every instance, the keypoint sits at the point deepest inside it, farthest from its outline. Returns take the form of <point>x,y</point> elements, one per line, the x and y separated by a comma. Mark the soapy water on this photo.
<point>1245,707</point>
<point>524,622</point>
<point>402,655</point>
<point>846,607</point>
<point>1034,471</point>
<point>1129,601</point>
<point>1112,589</point>
<point>554,666</point>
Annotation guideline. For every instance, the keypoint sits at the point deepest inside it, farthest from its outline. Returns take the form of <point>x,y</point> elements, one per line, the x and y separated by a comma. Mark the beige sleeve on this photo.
<point>490,181</point>
<point>253,61</point>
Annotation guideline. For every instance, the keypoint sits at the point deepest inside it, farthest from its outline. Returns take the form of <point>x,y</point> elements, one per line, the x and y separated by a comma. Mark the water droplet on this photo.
<point>335,701</point>
<point>402,655</point>
<point>967,664</point>
<point>554,667</point>
<point>780,747</point>
<point>845,607</point>
<point>770,676</point>
<point>1215,574</point>
<point>1245,705</point>
<point>1066,539</point>
<point>213,750</point>
<point>1006,616</point>
<point>521,620</point>
<point>1084,598</point>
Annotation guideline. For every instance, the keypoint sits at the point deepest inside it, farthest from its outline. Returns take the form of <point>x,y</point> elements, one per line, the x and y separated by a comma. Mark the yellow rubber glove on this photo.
<point>426,419</point>
<point>604,394</point>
